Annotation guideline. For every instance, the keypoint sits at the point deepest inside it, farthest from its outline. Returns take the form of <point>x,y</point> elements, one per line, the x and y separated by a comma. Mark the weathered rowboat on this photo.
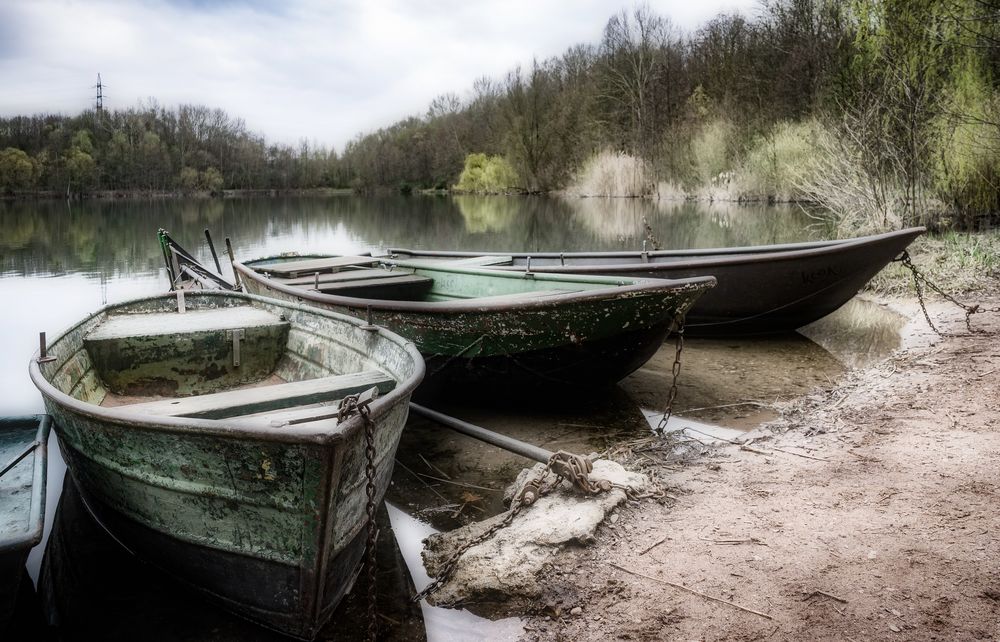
<point>22,501</point>
<point>208,441</point>
<point>478,325</point>
<point>762,289</point>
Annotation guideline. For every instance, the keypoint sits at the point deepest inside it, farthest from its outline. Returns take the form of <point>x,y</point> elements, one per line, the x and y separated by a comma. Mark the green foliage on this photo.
<point>778,162</point>
<point>81,169</point>
<point>17,170</point>
<point>487,175</point>
<point>712,150</point>
<point>212,181</point>
<point>188,179</point>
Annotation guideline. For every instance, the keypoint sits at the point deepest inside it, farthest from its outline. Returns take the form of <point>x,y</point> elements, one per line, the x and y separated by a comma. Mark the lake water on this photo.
<point>60,261</point>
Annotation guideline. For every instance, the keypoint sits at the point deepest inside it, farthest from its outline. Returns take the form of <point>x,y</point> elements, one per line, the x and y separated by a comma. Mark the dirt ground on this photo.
<point>866,511</point>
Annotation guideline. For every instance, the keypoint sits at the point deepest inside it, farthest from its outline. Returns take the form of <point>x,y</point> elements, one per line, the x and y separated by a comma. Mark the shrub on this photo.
<point>614,174</point>
<point>487,175</point>
<point>779,162</point>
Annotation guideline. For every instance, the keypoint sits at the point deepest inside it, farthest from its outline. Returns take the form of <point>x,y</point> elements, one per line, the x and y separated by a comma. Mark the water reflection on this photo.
<point>859,333</point>
<point>111,238</point>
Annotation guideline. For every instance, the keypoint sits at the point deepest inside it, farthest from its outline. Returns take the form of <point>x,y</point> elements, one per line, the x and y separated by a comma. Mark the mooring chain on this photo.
<point>676,372</point>
<point>563,465</point>
<point>449,565</point>
<point>348,407</point>
<point>919,277</point>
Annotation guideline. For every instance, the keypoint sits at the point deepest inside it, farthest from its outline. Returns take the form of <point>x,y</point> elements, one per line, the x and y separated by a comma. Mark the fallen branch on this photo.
<point>653,545</point>
<point>455,483</point>
<point>692,591</point>
<point>824,593</point>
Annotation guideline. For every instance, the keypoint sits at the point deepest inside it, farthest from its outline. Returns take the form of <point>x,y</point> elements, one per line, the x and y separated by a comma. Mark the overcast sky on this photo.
<point>322,70</point>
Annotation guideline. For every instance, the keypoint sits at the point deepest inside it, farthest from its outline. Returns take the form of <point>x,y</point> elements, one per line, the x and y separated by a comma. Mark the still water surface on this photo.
<point>60,261</point>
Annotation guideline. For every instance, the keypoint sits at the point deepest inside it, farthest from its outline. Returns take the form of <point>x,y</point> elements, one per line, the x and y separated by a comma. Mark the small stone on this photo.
<point>894,628</point>
<point>576,610</point>
<point>614,518</point>
<point>895,612</point>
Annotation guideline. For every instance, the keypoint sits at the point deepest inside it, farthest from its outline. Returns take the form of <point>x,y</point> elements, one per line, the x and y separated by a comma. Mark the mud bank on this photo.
<point>866,510</point>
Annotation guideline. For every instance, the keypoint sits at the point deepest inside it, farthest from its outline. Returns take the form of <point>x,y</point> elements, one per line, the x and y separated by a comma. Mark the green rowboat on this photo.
<point>202,430</point>
<point>477,325</point>
<point>22,501</point>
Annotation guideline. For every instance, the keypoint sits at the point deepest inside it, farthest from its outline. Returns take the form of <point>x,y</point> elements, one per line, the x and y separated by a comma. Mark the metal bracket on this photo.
<point>237,336</point>
<point>43,354</point>
<point>527,267</point>
<point>371,327</point>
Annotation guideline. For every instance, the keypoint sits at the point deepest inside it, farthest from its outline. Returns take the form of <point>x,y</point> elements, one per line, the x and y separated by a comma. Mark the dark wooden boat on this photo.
<point>761,289</point>
<point>203,433</point>
<point>478,325</point>
<point>22,501</point>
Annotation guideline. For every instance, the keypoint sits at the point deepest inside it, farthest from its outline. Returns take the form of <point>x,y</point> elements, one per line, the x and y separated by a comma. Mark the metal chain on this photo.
<point>676,372</point>
<point>563,465</point>
<point>919,277</point>
<point>348,407</point>
<point>448,568</point>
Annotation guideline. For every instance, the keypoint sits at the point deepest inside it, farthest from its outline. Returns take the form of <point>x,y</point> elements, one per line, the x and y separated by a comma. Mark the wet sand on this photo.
<point>866,511</point>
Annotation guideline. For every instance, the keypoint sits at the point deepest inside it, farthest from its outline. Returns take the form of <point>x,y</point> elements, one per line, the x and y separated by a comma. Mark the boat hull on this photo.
<point>594,339</point>
<point>267,522</point>
<point>760,290</point>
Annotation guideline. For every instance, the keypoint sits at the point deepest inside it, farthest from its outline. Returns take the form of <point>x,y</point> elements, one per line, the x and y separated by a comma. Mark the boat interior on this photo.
<point>16,437</point>
<point>427,280</point>
<point>243,362</point>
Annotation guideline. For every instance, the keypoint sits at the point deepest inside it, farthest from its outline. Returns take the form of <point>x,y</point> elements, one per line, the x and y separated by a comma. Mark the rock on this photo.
<point>508,567</point>
<point>576,610</point>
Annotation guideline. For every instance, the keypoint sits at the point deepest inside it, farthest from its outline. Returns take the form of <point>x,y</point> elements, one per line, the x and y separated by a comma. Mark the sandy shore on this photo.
<point>869,510</point>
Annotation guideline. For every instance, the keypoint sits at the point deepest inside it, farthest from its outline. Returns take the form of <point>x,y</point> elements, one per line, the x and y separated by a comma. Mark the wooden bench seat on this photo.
<point>246,401</point>
<point>350,274</point>
<point>471,261</point>
<point>395,287</point>
<point>197,352</point>
<point>518,296</point>
<point>292,269</point>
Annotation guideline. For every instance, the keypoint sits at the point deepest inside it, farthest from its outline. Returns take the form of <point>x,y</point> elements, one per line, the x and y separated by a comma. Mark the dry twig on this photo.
<point>689,590</point>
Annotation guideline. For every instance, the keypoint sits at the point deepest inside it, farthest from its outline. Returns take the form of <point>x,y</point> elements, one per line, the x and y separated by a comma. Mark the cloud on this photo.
<point>302,69</point>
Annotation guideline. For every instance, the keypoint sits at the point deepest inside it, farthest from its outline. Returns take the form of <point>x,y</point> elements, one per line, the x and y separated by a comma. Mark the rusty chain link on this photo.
<point>348,407</point>
<point>676,372</point>
<point>919,277</point>
<point>564,465</point>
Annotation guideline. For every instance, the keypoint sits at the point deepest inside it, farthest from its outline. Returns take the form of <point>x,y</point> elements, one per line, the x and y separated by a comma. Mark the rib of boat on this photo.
<point>761,290</point>
<point>204,430</point>
<point>22,501</point>
<point>478,325</point>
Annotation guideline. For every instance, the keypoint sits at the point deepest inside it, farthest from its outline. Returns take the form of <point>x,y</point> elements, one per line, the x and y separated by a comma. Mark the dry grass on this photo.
<point>614,174</point>
<point>959,263</point>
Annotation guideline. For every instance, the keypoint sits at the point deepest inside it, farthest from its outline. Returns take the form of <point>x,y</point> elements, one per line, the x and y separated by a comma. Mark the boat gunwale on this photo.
<point>708,257</point>
<point>636,285</point>
<point>234,428</point>
<point>36,515</point>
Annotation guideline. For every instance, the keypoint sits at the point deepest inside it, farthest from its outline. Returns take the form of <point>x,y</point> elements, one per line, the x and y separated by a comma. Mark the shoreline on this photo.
<point>867,510</point>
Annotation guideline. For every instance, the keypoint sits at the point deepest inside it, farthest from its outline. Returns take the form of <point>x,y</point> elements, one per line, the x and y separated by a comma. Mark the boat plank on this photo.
<point>339,277</point>
<point>233,403</point>
<point>400,286</point>
<point>294,268</point>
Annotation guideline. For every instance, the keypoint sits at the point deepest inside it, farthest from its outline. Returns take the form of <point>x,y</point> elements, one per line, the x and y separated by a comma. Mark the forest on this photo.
<point>886,112</point>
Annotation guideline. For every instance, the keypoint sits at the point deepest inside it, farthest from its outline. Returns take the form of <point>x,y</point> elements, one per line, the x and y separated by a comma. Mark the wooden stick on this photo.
<point>824,593</point>
<point>455,483</point>
<point>692,591</point>
<point>434,468</point>
<point>653,545</point>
